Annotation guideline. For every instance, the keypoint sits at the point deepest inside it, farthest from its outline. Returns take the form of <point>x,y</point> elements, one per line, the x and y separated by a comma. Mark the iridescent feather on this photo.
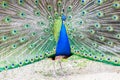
<point>30,30</point>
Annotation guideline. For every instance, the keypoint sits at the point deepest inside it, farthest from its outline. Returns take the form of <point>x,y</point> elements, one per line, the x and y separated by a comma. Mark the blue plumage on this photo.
<point>63,45</point>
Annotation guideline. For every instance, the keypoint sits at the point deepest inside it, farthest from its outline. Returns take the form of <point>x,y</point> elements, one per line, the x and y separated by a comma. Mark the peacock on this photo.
<point>33,30</point>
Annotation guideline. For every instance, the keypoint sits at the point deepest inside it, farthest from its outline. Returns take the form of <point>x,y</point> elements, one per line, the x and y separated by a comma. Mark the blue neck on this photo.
<point>63,46</point>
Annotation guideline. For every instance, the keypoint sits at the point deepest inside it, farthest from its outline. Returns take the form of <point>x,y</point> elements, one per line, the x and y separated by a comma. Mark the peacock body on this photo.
<point>32,30</point>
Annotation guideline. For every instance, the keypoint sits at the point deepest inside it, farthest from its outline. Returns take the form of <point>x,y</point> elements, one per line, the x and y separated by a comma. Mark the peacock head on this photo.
<point>63,17</point>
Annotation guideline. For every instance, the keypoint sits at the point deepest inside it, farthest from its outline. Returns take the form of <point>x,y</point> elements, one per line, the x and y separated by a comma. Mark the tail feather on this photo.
<point>94,30</point>
<point>26,34</point>
<point>28,30</point>
<point>84,51</point>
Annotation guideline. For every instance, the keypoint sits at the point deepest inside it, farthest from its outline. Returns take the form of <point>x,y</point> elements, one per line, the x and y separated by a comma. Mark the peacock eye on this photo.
<point>100,14</point>
<point>49,7</point>
<point>49,17</point>
<point>115,17</point>
<point>100,59</point>
<point>110,43</point>
<point>41,23</point>
<point>116,5</point>
<point>37,13</point>
<point>20,63</point>
<point>91,31</point>
<point>22,39</point>
<point>21,2</point>
<point>34,33</point>
<point>102,38</point>
<point>14,32</point>
<point>4,4</point>
<point>12,65</point>
<point>56,14</point>
<point>100,2</point>
<point>27,26</point>
<point>116,61</point>
<point>95,57</point>
<point>90,54</point>
<point>110,28</point>
<point>22,14</point>
<point>82,48</point>
<point>7,19</point>
<point>69,17</point>
<point>83,2</point>
<point>59,3</point>
<point>36,2</point>
<point>81,36</point>
<point>6,67</point>
<point>81,22</point>
<point>4,38</point>
<point>118,36</point>
<point>31,60</point>
<point>40,56</point>
<point>83,13</point>
<point>36,56</point>
<point>69,8</point>
<point>94,44</point>
<point>26,61</point>
<point>31,46</point>
<point>108,59</point>
<point>97,25</point>
<point>14,46</point>
<point>102,55</point>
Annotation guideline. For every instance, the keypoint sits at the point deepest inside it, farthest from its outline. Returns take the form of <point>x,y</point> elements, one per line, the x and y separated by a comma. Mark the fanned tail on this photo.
<point>94,29</point>
<point>26,32</point>
<point>30,29</point>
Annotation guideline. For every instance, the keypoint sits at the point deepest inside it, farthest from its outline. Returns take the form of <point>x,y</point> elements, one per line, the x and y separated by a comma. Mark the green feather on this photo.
<point>30,30</point>
<point>57,28</point>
